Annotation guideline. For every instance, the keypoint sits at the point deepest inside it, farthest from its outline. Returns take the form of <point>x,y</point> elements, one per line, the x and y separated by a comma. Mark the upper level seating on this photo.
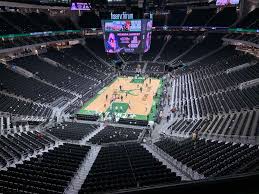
<point>66,23</point>
<point>157,42</point>
<point>176,46</point>
<point>55,75</point>
<point>208,88</point>
<point>31,22</point>
<point>176,17</point>
<point>115,134</point>
<point>23,41</point>
<point>158,20</point>
<point>43,21</point>
<point>213,158</point>
<point>29,87</point>
<point>250,21</point>
<point>126,166</point>
<point>199,17</point>
<point>89,20</point>
<point>224,18</point>
<point>204,47</point>
<point>72,131</point>
<point>79,60</point>
<point>96,44</point>
<point>15,106</point>
<point>49,173</point>
<point>222,60</point>
<point>13,146</point>
<point>81,54</point>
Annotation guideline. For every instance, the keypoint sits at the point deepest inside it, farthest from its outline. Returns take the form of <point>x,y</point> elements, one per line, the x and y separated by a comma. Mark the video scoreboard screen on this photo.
<point>77,5</point>
<point>128,36</point>
<point>227,2</point>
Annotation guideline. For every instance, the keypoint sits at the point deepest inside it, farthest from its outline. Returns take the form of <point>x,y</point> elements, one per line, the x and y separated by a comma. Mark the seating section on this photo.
<point>250,21</point>
<point>112,134</point>
<point>202,48</point>
<point>14,146</point>
<point>157,42</point>
<point>79,60</point>
<point>16,22</point>
<point>199,17</point>
<point>89,20</point>
<point>23,41</point>
<point>29,87</point>
<point>123,167</point>
<point>213,159</point>
<point>209,88</point>
<point>224,18</point>
<point>19,107</point>
<point>96,44</point>
<point>176,16</point>
<point>49,173</point>
<point>176,46</point>
<point>243,124</point>
<point>56,75</point>
<point>72,131</point>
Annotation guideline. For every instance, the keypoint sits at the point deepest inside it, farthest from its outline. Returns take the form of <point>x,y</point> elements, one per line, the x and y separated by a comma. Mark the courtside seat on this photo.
<point>63,131</point>
<point>115,134</point>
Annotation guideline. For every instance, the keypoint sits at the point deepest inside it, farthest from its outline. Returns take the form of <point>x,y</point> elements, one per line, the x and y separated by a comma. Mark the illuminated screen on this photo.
<point>80,5</point>
<point>123,26</point>
<point>128,36</point>
<point>123,42</point>
<point>226,2</point>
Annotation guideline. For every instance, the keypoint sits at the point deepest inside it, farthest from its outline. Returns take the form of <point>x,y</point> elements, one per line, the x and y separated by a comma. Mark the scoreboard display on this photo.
<point>78,5</point>
<point>227,2</point>
<point>127,36</point>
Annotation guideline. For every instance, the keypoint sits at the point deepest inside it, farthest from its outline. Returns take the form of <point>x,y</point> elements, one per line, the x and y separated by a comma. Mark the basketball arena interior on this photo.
<point>129,96</point>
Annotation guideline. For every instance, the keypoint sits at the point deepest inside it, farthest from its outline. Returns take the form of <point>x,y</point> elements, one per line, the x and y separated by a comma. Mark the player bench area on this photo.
<point>126,97</point>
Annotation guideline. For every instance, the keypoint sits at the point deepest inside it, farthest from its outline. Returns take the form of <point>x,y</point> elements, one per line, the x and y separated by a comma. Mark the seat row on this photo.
<point>126,166</point>
<point>72,131</point>
<point>14,146</point>
<point>49,173</point>
<point>212,159</point>
<point>111,134</point>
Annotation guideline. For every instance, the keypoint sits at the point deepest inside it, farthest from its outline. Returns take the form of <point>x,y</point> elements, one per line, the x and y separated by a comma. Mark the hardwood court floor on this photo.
<point>140,103</point>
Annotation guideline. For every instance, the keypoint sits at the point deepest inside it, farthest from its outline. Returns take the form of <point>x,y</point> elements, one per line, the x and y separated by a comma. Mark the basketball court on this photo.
<point>126,97</point>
